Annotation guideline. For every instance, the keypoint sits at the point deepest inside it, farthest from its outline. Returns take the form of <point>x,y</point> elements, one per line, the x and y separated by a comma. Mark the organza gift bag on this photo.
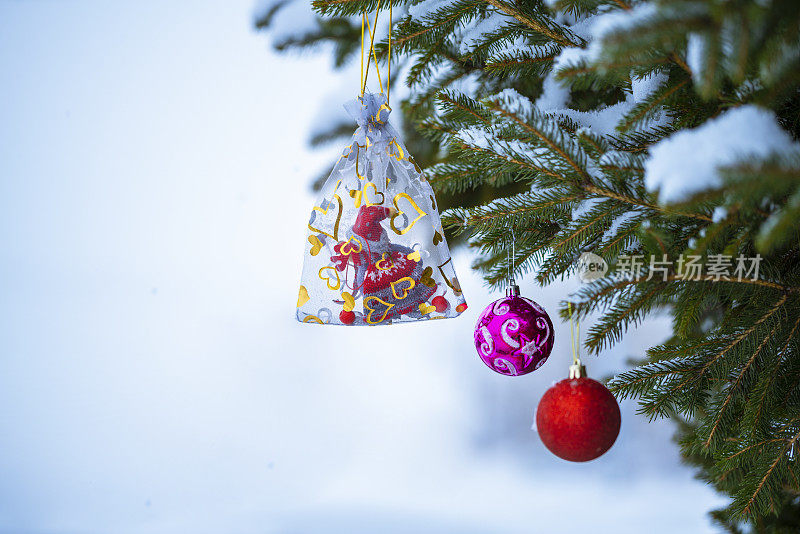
<point>376,252</point>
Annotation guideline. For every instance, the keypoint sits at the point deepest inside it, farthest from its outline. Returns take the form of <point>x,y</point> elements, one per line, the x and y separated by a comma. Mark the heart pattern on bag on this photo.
<point>351,246</point>
<point>359,195</point>
<point>400,212</point>
<point>328,274</point>
<point>425,309</point>
<point>406,284</point>
<point>325,211</point>
<point>302,297</point>
<point>349,302</point>
<point>372,308</point>
<point>427,278</point>
<point>316,245</point>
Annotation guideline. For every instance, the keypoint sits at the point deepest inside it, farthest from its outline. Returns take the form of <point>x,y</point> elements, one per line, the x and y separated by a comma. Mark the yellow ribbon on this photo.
<point>372,31</point>
<point>372,28</point>
<point>575,331</point>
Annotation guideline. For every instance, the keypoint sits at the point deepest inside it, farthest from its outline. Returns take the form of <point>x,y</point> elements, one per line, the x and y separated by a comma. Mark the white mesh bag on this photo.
<point>375,252</point>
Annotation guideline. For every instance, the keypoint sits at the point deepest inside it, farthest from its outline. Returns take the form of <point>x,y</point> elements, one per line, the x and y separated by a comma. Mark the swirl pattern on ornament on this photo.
<point>513,326</point>
<point>504,366</point>
<point>501,307</point>
<point>487,347</point>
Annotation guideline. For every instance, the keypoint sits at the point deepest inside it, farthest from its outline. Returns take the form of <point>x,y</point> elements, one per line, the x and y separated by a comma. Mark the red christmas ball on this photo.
<point>578,418</point>
<point>440,303</point>
<point>347,317</point>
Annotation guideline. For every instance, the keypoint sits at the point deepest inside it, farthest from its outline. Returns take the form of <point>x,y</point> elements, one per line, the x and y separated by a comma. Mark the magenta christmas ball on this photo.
<point>514,335</point>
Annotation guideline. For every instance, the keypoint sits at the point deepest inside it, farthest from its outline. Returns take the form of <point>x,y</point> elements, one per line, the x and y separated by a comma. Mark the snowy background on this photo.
<point>153,194</point>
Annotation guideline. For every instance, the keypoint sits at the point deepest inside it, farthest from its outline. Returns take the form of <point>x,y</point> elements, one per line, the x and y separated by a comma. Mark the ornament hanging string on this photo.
<point>371,53</point>
<point>372,28</point>
<point>508,265</point>
<point>511,258</point>
<point>575,331</point>
<point>361,72</point>
<point>389,59</point>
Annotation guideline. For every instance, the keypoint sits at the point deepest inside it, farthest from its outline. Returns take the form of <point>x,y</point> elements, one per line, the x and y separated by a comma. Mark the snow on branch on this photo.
<point>687,162</point>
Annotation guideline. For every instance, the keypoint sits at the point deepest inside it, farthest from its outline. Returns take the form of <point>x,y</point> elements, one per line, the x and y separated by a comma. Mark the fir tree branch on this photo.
<point>579,230</point>
<point>594,144</point>
<point>599,336</point>
<point>468,147</point>
<point>398,42</point>
<point>681,63</point>
<point>633,170</point>
<point>735,386</point>
<point>515,62</point>
<point>326,7</point>
<point>762,399</point>
<point>539,134</point>
<point>758,282</point>
<point>622,236</point>
<point>633,201</point>
<point>663,398</point>
<point>651,105</point>
<point>743,335</point>
<point>532,209</point>
<point>769,472</point>
<point>576,70</point>
<point>533,24</point>
<point>750,447</point>
<point>455,103</point>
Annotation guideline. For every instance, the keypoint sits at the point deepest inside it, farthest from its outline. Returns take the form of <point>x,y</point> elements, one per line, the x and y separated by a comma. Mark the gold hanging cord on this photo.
<point>575,330</point>
<point>372,28</point>
<point>389,60</point>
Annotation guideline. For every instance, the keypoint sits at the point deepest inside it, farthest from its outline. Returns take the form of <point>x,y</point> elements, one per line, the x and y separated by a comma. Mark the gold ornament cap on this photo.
<point>577,370</point>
